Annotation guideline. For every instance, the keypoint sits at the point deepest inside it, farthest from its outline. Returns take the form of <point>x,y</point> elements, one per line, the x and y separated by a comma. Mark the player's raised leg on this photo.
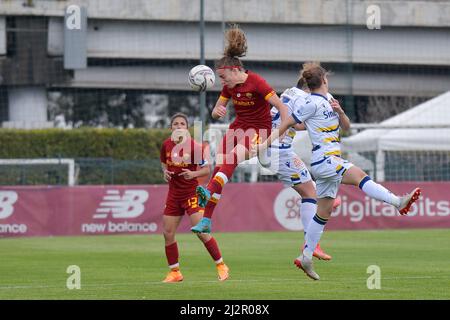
<point>355,176</point>
<point>227,163</point>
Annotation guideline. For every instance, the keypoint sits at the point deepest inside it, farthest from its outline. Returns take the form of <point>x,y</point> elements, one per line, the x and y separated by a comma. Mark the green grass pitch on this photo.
<point>415,264</point>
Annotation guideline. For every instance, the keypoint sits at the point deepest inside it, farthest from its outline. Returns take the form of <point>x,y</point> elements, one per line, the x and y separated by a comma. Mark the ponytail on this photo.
<point>236,47</point>
<point>313,74</point>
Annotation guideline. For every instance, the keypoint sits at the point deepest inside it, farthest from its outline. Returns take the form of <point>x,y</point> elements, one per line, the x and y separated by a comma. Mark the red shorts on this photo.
<point>239,140</point>
<point>180,206</point>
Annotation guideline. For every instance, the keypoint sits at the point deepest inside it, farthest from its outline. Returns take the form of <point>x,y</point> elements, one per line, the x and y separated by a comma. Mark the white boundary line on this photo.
<point>216,281</point>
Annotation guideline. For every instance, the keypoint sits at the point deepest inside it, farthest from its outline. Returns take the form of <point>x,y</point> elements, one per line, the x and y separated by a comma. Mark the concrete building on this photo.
<point>399,48</point>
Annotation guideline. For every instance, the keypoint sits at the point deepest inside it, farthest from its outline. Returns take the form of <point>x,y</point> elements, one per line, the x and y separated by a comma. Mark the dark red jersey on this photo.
<point>250,102</point>
<point>187,155</point>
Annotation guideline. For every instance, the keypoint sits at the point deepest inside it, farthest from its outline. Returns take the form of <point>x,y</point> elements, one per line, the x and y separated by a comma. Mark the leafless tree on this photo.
<point>380,108</point>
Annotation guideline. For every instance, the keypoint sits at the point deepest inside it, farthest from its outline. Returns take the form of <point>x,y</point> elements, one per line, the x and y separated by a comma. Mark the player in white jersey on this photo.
<point>290,169</point>
<point>323,121</point>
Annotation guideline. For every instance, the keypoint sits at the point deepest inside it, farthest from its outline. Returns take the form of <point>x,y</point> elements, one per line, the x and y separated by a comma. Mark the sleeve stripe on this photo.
<point>296,119</point>
<point>223,98</point>
<point>271,93</point>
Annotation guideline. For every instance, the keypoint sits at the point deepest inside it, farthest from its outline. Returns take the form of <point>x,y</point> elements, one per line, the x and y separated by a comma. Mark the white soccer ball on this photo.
<point>201,78</point>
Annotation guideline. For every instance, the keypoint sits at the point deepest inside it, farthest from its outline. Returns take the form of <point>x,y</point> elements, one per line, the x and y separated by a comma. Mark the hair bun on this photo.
<point>237,43</point>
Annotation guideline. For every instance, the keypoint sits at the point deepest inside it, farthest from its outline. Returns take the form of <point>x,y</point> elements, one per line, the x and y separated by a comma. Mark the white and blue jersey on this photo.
<point>291,98</point>
<point>280,158</point>
<point>322,124</point>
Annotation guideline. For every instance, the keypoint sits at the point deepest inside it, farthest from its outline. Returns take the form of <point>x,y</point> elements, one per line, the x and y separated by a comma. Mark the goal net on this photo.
<point>38,171</point>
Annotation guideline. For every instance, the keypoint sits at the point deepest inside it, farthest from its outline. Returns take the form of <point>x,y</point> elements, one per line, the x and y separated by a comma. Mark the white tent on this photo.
<point>434,113</point>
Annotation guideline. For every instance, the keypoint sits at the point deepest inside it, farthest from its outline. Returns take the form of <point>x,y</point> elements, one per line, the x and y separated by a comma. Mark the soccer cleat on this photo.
<point>174,276</point>
<point>408,200</point>
<point>306,265</point>
<point>203,226</point>
<point>320,254</point>
<point>222,271</point>
<point>203,195</point>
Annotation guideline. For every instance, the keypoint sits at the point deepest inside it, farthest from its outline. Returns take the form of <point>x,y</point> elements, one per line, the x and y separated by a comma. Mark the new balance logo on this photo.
<point>7,199</point>
<point>130,205</point>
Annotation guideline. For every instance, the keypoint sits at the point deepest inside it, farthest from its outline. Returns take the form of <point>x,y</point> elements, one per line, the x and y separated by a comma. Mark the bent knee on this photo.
<point>169,234</point>
<point>204,237</point>
<point>306,191</point>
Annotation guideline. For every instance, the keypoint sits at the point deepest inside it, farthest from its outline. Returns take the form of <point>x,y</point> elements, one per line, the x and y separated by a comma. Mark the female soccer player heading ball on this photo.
<point>182,163</point>
<point>252,97</point>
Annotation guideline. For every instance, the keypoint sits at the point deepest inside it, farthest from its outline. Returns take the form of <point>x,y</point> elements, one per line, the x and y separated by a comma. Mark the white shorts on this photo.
<point>328,173</point>
<point>288,166</point>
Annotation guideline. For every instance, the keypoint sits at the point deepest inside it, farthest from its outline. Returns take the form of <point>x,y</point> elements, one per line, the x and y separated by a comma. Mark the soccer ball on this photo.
<point>201,77</point>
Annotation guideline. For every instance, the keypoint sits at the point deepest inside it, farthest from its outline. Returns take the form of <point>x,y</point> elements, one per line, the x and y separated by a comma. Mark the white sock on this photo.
<point>308,209</point>
<point>378,192</point>
<point>313,234</point>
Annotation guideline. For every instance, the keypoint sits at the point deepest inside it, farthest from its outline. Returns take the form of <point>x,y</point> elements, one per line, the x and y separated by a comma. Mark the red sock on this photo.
<point>172,254</point>
<point>215,187</point>
<point>216,169</point>
<point>213,249</point>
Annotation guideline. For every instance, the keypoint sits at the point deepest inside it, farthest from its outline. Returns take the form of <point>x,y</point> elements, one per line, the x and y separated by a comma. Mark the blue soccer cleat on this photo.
<point>204,226</point>
<point>203,195</point>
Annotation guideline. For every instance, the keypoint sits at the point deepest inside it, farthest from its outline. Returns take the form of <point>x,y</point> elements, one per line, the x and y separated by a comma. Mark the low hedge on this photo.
<point>103,156</point>
<point>127,144</point>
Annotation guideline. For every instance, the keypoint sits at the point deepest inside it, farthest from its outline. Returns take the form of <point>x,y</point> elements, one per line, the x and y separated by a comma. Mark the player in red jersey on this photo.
<point>252,97</point>
<point>182,163</point>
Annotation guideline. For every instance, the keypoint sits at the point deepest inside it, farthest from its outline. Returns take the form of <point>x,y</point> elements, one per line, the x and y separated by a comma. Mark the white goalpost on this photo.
<point>27,162</point>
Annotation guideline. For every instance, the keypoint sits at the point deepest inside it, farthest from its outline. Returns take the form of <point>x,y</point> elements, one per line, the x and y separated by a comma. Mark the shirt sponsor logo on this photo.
<point>243,103</point>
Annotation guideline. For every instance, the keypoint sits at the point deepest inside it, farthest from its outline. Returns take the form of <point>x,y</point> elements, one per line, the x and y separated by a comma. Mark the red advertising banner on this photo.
<point>86,210</point>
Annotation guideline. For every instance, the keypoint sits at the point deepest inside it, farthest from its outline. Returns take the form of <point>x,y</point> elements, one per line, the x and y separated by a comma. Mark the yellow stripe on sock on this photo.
<point>213,200</point>
<point>219,180</point>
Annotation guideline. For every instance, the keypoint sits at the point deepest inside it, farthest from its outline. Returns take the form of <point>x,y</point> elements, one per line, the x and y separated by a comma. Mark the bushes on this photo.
<point>103,156</point>
<point>117,144</point>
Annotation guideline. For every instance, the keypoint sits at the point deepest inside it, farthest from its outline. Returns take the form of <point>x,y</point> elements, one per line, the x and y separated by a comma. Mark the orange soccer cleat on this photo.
<point>174,276</point>
<point>222,271</point>
<point>319,253</point>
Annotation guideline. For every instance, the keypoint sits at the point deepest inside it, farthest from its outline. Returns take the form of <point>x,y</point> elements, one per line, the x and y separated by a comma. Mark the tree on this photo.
<point>379,108</point>
<point>99,108</point>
